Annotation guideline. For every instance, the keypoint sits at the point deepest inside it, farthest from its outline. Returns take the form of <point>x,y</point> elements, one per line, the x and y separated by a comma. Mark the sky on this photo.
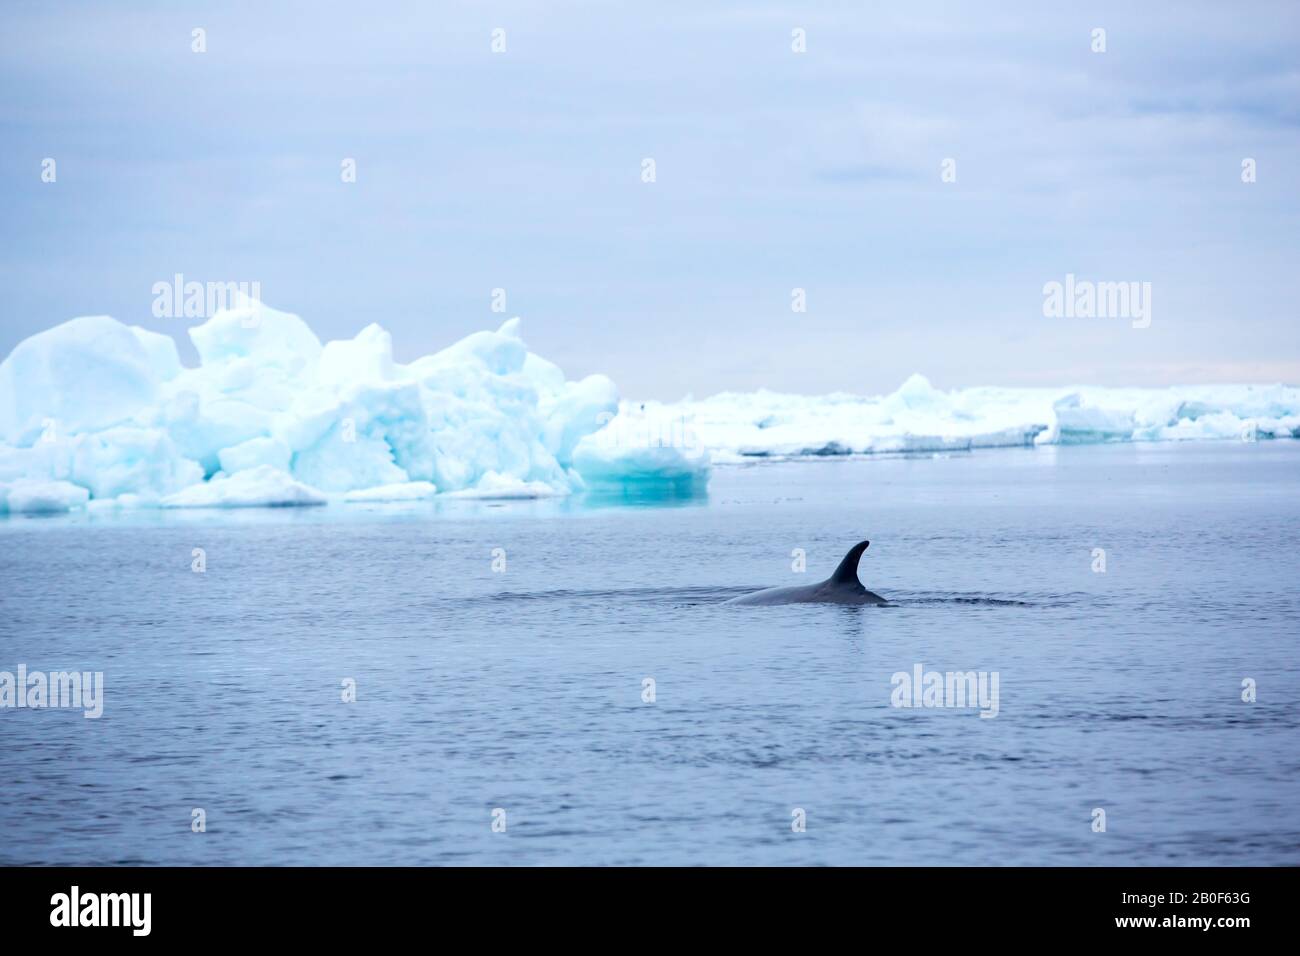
<point>774,170</point>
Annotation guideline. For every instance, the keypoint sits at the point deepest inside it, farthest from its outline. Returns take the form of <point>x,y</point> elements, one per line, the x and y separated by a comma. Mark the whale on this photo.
<point>842,587</point>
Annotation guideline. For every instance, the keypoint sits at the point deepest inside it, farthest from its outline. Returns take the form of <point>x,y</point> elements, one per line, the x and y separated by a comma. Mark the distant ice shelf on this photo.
<point>101,415</point>
<point>920,418</point>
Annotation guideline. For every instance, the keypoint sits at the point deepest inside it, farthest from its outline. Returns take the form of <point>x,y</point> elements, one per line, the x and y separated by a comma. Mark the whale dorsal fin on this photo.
<point>847,572</point>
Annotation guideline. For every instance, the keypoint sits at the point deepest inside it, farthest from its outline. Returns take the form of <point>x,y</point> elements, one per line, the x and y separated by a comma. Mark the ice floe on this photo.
<point>97,413</point>
<point>271,416</point>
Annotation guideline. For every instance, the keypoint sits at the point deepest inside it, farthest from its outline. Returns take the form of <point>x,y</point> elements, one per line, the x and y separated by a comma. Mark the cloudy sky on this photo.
<point>774,170</point>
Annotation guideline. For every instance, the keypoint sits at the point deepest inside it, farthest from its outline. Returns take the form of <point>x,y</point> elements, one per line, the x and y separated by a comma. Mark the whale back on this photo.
<point>842,587</point>
<point>846,575</point>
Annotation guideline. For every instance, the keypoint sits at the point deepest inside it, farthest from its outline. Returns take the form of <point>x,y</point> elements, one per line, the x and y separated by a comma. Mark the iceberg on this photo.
<point>272,416</point>
<point>81,376</point>
<point>406,491</point>
<point>644,446</point>
<point>494,486</point>
<point>102,415</point>
<point>260,487</point>
<point>917,417</point>
<point>31,496</point>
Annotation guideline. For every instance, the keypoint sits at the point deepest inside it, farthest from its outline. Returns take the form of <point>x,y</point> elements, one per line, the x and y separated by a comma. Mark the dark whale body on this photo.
<point>842,587</point>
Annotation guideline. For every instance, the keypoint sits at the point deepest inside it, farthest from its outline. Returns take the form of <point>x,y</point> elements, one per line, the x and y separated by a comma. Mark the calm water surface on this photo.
<point>522,690</point>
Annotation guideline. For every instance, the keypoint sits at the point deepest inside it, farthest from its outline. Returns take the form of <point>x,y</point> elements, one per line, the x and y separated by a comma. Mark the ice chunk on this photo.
<point>365,436</point>
<point>575,410</point>
<point>126,502</point>
<point>161,349</point>
<point>128,460</point>
<point>406,491</point>
<point>262,486</point>
<point>251,330</point>
<point>491,410</point>
<point>254,452</point>
<point>118,460</point>
<point>1079,421</point>
<point>204,427</point>
<point>500,353</point>
<point>640,447</point>
<point>682,471</point>
<point>32,496</point>
<point>493,485</point>
<point>86,374</point>
<point>366,358</point>
<point>916,394</point>
<point>483,416</point>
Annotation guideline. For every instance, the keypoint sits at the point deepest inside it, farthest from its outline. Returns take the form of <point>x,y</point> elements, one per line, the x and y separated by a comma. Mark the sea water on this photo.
<point>558,682</point>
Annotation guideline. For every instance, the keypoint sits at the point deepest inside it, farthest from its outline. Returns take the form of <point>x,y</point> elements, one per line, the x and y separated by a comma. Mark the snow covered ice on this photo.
<point>101,414</point>
<point>95,411</point>
<point>920,418</point>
